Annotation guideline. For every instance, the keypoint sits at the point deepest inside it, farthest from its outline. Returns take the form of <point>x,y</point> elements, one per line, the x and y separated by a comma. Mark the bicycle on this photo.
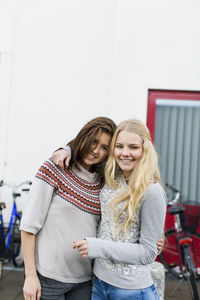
<point>180,254</point>
<point>10,240</point>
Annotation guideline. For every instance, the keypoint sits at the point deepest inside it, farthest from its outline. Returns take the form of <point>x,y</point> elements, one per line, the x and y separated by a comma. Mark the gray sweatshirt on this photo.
<point>124,262</point>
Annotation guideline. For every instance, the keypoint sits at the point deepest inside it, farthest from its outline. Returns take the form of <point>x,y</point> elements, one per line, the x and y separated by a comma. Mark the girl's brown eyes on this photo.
<point>104,148</point>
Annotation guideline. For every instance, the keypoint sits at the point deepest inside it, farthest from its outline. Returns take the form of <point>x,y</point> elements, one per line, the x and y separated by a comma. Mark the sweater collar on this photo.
<point>84,174</point>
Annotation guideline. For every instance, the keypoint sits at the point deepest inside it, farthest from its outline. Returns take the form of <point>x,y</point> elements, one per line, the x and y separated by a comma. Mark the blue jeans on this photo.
<point>105,291</point>
<point>55,290</point>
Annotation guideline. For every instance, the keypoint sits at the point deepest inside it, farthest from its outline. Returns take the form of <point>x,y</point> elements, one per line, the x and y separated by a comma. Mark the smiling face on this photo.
<point>128,151</point>
<point>98,150</point>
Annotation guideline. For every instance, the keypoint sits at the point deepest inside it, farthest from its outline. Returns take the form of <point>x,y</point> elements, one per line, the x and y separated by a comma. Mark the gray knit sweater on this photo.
<point>123,262</point>
<point>63,206</point>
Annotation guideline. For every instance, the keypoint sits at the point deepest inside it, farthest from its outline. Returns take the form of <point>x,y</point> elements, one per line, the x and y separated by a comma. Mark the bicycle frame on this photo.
<point>7,234</point>
<point>9,239</point>
<point>179,255</point>
<point>177,223</point>
<point>14,214</point>
<point>184,242</point>
<point>183,264</point>
<point>187,255</point>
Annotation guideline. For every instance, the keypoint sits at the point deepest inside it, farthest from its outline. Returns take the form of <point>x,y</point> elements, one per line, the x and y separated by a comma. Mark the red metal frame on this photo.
<point>151,117</point>
<point>165,94</point>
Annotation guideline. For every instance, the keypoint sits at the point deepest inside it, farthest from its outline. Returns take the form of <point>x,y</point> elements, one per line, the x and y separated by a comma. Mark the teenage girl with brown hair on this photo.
<point>63,206</point>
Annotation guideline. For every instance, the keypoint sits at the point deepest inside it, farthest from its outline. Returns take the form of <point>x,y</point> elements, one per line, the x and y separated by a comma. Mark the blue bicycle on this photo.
<point>10,241</point>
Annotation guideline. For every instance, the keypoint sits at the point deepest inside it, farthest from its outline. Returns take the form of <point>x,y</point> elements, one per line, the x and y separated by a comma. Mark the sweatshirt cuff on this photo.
<point>92,247</point>
<point>68,149</point>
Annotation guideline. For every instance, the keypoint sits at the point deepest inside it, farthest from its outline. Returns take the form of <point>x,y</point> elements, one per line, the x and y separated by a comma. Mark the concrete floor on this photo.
<point>12,281</point>
<point>182,293</point>
<point>11,284</point>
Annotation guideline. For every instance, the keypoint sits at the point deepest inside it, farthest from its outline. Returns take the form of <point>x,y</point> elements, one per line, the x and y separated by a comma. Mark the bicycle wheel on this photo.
<point>17,256</point>
<point>2,240</point>
<point>171,255</point>
<point>189,273</point>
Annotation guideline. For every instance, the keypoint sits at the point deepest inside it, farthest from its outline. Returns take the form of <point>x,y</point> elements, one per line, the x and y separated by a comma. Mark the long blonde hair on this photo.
<point>145,172</point>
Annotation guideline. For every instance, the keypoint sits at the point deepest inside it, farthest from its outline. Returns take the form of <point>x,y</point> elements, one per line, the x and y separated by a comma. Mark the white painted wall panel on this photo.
<point>75,60</point>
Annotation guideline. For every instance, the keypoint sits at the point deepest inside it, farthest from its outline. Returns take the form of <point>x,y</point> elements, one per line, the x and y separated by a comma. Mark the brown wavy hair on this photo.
<point>84,139</point>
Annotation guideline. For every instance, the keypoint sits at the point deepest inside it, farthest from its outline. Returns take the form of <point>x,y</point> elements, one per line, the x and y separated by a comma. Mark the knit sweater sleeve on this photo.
<point>39,200</point>
<point>152,217</point>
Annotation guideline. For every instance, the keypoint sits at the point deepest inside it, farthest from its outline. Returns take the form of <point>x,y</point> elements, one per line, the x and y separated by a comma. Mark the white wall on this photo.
<point>157,46</point>
<point>64,62</point>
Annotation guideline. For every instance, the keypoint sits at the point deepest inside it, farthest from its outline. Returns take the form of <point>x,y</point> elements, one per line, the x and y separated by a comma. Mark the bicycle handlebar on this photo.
<point>13,186</point>
<point>25,182</point>
<point>172,188</point>
<point>16,195</point>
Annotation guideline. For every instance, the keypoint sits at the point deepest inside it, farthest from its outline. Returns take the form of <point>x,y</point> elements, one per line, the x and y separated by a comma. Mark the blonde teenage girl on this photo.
<point>133,207</point>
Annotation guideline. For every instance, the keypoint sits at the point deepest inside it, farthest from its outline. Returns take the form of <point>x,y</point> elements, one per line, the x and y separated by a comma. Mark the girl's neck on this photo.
<point>86,167</point>
<point>126,176</point>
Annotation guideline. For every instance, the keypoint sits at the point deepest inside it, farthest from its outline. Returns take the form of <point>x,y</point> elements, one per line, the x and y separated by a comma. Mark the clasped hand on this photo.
<point>82,247</point>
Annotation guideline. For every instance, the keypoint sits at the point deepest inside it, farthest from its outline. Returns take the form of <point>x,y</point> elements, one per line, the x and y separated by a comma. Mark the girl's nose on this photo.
<point>96,149</point>
<point>125,152</point>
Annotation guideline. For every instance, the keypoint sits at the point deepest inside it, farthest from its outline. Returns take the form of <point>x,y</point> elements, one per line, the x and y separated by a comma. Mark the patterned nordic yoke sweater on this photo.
<point>63,207</point>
